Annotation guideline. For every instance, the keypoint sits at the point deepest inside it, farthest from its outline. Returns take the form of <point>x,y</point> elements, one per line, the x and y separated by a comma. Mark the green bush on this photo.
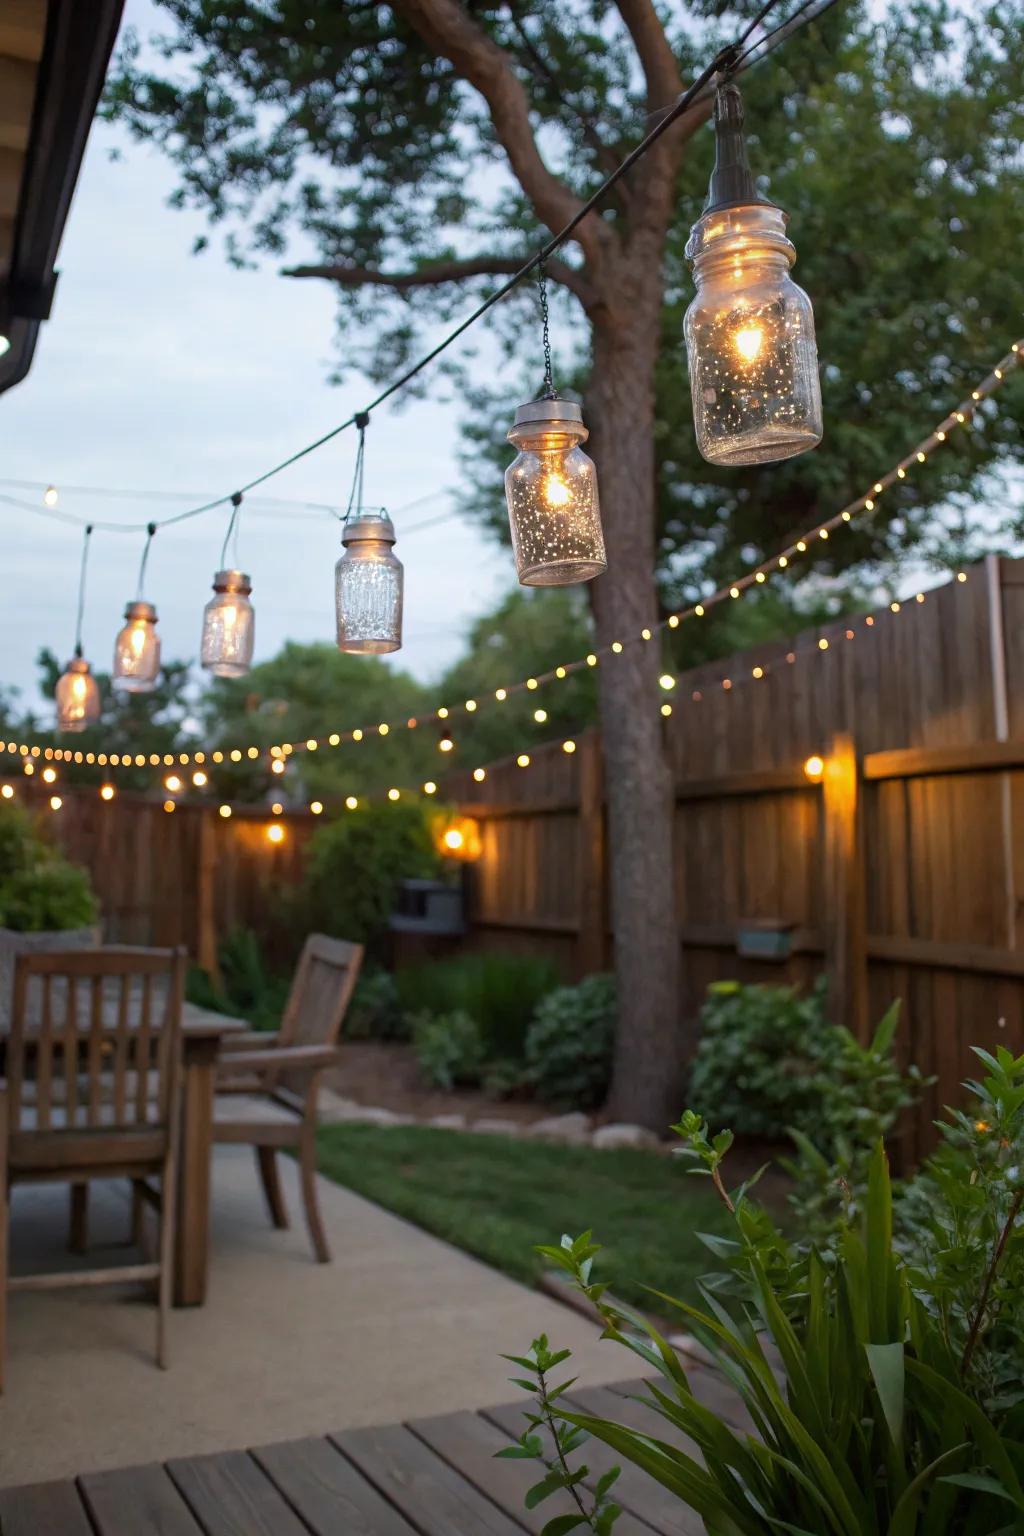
<point>375,1012</point>
<point>890,1399</point>
<point>570,1044</point>
<point>247,989</point>
<point>500,992</point>
<point>40,891</point>
<point>449,1048</point>
<point>356,865</point>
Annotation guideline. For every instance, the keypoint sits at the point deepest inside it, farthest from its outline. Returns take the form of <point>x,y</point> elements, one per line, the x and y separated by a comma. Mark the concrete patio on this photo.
<point>400,1325</point>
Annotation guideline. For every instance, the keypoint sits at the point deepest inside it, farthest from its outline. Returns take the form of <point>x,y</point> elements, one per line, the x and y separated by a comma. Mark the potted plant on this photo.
<point>884,1375</point>
<point>45,901</point>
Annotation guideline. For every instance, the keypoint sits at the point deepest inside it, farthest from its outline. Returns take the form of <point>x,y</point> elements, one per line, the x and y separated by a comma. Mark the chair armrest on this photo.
<point>294,1057</point>
<point>249,1040</point>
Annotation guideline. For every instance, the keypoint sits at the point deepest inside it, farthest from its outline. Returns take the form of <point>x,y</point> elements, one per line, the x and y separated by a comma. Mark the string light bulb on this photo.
<point>229,626</point>
<point>7,791</point>
<point>275,832</point>
<point>445,742</point>
<point>77,696</point>
<point>137,650</point>
<point>551,489</point>
<point>51,496</point>
<point>107,791</point>
<point>749,330</point>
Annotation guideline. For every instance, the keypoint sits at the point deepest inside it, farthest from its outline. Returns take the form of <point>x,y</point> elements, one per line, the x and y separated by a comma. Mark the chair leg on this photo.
<point>166,1259</point>
<point>266,1160</point>
<point>307,1166</point>
<point>78,1236</point>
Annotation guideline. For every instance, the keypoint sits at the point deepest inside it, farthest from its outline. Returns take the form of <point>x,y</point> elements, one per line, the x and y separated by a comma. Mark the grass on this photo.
<point>496,1196</point>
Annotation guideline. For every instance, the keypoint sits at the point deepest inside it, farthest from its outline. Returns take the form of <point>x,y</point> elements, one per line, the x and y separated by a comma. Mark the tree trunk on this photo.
<point>650,1051</point>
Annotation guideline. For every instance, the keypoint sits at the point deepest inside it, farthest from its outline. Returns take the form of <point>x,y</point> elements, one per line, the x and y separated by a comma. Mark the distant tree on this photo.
<point>422,147</point>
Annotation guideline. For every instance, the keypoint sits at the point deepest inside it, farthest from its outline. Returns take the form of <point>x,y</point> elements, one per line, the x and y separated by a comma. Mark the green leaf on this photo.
<point>885,1362</point>
<point>563,1523</point>
<point>904,1516</point>
<point>980,1483</point>
<point>545,1488</point>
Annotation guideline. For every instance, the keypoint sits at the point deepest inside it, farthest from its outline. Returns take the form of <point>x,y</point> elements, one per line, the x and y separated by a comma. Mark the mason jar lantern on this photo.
<point>750,329</point>
<point>77,696</point>
<point>551,490</point>
<point>229,626</point>
<point>137,650</point>
<point>368,581</point>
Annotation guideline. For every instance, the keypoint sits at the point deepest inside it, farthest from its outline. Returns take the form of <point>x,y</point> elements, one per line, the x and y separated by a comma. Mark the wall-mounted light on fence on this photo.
<point>458,837</point>
<point>814,767</point>
<point>275,832</point>
<point>225,811</point>
<point>199,779</point>
<point>49,775</point>
<point>7,791</point>
<point>107,791</point>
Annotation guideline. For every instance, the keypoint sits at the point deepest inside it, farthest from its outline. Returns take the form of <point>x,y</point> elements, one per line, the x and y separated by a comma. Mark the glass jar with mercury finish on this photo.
<point>137,650</point>
<point>750,329</point>
<point>551,489</point>
<point>229,626</point>
<point>77,696</point>
<point>368,583</point>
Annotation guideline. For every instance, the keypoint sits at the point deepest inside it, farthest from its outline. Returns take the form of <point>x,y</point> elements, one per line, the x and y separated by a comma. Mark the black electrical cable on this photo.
<point>727,61</point>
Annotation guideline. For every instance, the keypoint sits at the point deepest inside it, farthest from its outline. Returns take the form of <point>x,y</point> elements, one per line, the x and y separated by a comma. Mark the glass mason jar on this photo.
<point>551,489</point>
<point>368,582</point>
<point>137,650</point>
<point>77,696</point>
<point>750,340</point>
<point>229,626</point>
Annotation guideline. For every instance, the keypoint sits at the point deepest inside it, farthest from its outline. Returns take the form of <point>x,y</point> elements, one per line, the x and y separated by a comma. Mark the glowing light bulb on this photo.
<point>430,788</point>
<point>275,832</point>
<point>225,811</point>
<point>556,494</point>
<point>748,341</point>
<point>277,766</point>
<point>479,774</point>
<point>394,794</point>
<point>523,760</point>
<point>7,792</point>
<point>55,802</point>
<point>814,767</point>
<point>453,839</point>
<point>350,802</point>
<point>50,496</point>
<point>49,775</point>
<point>172,783</point>
<point>316,806</point>
<point>107,791</point>
<point>540,715</point>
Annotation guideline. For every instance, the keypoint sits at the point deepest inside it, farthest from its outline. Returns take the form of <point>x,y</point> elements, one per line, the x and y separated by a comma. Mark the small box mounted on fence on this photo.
<point>429,906</point>
<point>764,938</point>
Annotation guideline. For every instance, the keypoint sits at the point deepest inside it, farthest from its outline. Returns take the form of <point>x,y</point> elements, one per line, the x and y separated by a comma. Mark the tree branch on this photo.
<point>450,31</point>
<point>453,271</point>
<point>658,62</point>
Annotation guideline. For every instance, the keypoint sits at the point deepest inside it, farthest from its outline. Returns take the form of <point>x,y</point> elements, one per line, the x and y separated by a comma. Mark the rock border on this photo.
<point>573,1129</point>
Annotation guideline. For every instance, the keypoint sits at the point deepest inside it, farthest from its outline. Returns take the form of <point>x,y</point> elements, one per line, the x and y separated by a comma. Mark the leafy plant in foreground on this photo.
<point>869,1415</point>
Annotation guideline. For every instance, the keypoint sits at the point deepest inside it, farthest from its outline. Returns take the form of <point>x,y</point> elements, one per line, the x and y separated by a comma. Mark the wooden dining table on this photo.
<point>202,1034</point>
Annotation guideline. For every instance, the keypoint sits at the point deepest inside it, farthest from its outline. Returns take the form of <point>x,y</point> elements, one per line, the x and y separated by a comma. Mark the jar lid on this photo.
<point>77,664</point>
<point>232,581</point>
<point>374,526</point>
<point>564,416</point>
<point>140,610</point>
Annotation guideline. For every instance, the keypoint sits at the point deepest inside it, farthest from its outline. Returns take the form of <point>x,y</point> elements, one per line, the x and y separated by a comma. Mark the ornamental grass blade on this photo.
<point>904,1516</point>
<point>987,1439</point>
<point>886,1363</point>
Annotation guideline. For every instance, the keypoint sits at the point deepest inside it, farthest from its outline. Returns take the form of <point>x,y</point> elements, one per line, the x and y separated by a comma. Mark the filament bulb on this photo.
<point>748,341</point>
<point>556,492</point>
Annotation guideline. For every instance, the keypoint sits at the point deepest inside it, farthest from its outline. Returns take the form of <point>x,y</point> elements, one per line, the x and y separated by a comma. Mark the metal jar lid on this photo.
<point>232,581</point>
<point>375,526</point>
<point>140,610</point>
<point>549,416</point>
<point>77,664</point>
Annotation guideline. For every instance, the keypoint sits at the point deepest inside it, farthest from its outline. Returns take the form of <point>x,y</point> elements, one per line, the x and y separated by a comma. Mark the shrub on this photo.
<point>247,989</point>
<point>375,1012</point>
<point>872,1411</point>
<point>40,890</point>
<point>570,1043</point>
<point>356,865</point>
<point>449,1048</point>
<point>500,992</point>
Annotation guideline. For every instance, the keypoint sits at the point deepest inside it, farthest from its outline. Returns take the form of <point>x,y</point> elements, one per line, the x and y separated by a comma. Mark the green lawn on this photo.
<point>496,1197</point>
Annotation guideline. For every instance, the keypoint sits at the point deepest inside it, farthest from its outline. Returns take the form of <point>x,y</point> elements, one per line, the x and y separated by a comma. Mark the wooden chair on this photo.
<point>268,1082</point>
<point>92,1091</point>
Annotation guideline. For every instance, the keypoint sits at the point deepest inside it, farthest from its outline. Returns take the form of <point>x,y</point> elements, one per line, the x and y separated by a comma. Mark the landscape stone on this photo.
<point>621,1134</point>
<point>571,1128</point>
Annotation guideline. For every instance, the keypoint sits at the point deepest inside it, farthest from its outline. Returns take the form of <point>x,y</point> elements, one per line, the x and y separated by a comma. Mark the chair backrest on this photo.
<point>94,1040</point>
<point>320,991</point>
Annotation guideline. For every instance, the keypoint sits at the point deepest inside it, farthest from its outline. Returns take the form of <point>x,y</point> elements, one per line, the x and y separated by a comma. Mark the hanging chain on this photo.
<point>236,502</point>
<point>150,530</point>
<point>355,497</point>
<point>549,392</point>
<point>81,589</point>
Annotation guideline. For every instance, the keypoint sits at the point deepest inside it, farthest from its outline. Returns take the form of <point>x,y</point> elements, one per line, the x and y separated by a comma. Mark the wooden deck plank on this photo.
<point>43,1509</point>
<point>468,1442</point>
<point>231,1496</point>
<point>139,1501</point>
<point>332,1496</point>
<point>435,1497</point>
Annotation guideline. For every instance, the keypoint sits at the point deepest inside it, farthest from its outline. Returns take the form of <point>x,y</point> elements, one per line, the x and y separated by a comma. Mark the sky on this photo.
<point>160,370</point>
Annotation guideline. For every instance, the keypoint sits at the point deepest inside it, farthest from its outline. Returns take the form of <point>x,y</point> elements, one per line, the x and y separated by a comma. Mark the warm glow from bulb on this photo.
<point>430,788</point>
<point>748,341</point>
<point>445,744</point>
<point>453,839</point>
<point>667,681</point>
<point>523,760</point>
<point>199,779</point>
<point>316,806</point>
<point>479,774</point>
<point>351,802</point>
<point>394,794</point>
<point>225,811</point>
<point>236,756</point>
<point>501,694</point>
<point>172,783</point>
<point>823,644</point>
<point>137,638</point>
<point>275,832</point>
<point>814,767</point>
<point>555,491</point>
<point>277,766</point>
<point>168,806</point>
<point>7,792</point>
<point>531,683</point>
<point>49,775</point>
<point>30,769</point>
<point>540,715</point>
<point>568,746</point>
<point>470,705</point>
<point>107,791</point>
<point>50,496</point>
<point>55,802</point>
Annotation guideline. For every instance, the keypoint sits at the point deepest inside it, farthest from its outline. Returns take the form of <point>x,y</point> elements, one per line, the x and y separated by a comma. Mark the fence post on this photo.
<point>206,918</point>
<point>591,942</point>
<point>846,956</point>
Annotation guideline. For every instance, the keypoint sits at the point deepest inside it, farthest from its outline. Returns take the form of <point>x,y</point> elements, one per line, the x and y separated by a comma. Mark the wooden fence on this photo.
<point>901,872</point>
<point>901,869</point>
